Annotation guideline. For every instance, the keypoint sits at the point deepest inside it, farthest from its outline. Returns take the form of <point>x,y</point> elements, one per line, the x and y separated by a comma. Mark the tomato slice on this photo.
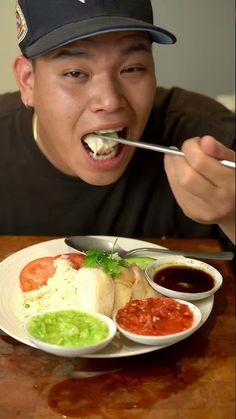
<point>76,259</point>
<point>37,273</point>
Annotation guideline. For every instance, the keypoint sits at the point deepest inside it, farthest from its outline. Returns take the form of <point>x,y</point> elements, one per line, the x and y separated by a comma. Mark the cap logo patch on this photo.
<point>21,25</point>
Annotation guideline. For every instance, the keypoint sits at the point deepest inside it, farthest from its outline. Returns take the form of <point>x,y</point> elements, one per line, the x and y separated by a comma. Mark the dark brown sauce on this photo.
<point>184,279</point>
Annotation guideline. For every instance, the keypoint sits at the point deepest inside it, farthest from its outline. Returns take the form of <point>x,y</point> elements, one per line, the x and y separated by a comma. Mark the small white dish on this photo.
<point>167,339</point>
<point>173,275</point>
<point>69,329</point>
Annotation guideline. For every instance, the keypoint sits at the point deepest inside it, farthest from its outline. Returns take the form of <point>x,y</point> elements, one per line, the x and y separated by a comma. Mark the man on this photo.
<point>87,67</point>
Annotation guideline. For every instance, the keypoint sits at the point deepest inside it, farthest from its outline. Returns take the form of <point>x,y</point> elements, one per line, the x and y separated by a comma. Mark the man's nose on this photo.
<point>107,95</point>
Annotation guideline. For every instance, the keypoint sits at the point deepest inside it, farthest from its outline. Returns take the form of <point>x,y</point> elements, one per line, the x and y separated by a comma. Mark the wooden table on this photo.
<point>193,379</point>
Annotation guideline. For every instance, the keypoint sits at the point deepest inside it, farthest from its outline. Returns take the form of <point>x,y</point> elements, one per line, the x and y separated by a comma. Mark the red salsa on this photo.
<point>184,279</point>
<point>155,316</point>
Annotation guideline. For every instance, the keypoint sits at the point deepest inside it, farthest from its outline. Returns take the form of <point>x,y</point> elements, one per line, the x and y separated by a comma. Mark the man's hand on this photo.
<point>203,187</point>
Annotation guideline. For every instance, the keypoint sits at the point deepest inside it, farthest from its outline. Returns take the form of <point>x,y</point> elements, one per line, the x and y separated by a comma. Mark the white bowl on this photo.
<point>169,339</point>
<point>71,351</point>
<point>195,267</point>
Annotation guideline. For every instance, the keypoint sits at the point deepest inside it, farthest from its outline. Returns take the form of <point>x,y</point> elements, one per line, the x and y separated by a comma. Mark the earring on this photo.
<point>26,104</point>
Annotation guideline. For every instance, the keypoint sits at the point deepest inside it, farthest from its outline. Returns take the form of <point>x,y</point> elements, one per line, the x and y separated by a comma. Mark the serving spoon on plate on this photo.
<point>85,243</point>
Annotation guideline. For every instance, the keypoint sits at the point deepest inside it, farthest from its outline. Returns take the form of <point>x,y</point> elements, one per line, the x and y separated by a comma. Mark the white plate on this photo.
<point>10,296</point>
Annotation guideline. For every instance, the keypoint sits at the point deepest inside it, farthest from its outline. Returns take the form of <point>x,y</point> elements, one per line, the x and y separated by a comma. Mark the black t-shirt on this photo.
<point>36,198</point>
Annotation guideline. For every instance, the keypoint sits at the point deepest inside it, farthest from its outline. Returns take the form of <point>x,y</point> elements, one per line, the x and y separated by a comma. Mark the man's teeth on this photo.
<point>102,148</point>
<point>102,157</point>
<point>109,131</point>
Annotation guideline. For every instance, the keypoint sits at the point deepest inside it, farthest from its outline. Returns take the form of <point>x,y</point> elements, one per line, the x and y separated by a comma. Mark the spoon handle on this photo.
<point>160,148</point>
<point>200,255</point>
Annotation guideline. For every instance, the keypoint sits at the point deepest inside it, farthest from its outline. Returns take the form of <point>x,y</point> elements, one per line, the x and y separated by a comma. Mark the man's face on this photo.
<point>105,82</point>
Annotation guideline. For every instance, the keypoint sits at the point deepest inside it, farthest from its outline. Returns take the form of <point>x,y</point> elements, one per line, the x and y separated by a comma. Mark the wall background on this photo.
<point>202,60</point>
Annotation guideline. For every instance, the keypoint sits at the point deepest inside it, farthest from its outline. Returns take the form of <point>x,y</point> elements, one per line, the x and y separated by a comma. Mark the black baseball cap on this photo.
<point>44,25</point>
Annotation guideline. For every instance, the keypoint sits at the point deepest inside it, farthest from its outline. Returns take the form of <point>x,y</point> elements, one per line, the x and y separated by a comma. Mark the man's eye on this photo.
<point>75,74</point>
<point>134,69</point>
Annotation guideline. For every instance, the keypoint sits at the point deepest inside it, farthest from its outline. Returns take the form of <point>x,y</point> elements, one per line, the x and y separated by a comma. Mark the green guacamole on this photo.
<point>68,328</point>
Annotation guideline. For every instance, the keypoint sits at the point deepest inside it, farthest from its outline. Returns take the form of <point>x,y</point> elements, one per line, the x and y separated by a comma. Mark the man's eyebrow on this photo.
<point>138,47</point>
<point>69,52</point>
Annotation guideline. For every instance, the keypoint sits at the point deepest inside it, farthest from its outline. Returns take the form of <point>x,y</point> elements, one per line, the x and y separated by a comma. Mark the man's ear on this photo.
<point>24,74</point>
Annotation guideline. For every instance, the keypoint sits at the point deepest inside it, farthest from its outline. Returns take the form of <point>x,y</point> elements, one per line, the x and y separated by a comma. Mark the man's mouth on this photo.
<point>100,148</point>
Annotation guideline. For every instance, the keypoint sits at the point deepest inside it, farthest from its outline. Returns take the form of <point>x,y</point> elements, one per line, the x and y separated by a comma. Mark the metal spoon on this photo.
<point>84,243</point>
<point>160,148</point>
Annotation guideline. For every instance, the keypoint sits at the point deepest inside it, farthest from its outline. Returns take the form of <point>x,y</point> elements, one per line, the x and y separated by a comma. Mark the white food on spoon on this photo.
<point>102,148</point>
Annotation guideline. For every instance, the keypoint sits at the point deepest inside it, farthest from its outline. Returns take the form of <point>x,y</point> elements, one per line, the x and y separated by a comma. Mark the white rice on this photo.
<point>59,293</point>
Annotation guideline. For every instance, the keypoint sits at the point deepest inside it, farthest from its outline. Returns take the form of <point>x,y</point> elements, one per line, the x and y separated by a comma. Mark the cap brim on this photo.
<point>95,26</point>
